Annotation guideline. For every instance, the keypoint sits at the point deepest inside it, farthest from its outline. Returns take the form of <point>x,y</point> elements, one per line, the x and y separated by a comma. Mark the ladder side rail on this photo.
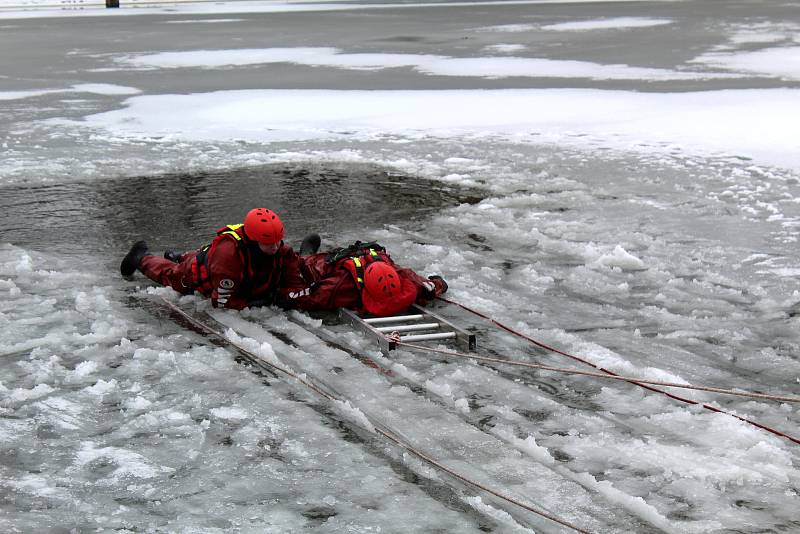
<point>352,317</point>
<point>429,337</point>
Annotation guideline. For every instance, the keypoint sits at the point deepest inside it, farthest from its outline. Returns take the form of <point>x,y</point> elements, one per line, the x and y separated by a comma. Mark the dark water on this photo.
<point>184,210</point>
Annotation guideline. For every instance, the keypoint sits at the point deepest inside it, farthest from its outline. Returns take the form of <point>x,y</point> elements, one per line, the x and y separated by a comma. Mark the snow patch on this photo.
<point>442,390</point>
<point>501,516</point>
<point>21,395</point>
<point>486,67</point>
<point>229,413</point>
<point>93,88</point>
<point>138,403</point>
<point>201,21</point>
<point>102,387</point>
<point>504,48</point>
<point>616,23</point>
<point>127,463</point>
<point>527,446</point>
<point>749,122</point>
<point>82,370</point>
<point>780,62</point>
<point>635,505</point>
<point>351,413</point>
<point>107,89</point>
<point>620,258</point>
<point>95,302</point>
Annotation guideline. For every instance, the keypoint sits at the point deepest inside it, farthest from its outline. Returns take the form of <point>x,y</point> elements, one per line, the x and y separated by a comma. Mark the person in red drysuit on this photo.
<point>246,264</point>
<point>361,277</point>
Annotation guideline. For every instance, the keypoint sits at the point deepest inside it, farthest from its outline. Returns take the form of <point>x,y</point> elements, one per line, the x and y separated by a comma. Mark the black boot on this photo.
<point>310,244</point>
<point>132,260</point>
<point>173,256</point>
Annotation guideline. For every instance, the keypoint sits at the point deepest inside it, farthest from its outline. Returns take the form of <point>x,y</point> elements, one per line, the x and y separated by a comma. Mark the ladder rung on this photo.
<point>408,327</point>
<point>427,337</point>
<point>380,320</point>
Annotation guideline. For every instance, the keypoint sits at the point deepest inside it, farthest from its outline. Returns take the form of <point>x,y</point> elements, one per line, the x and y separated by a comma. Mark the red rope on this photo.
<point>385,432</point>
<point>645,386</point>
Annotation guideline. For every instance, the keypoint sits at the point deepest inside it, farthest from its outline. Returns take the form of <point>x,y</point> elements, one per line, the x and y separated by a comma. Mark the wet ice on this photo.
<point>624,238</point>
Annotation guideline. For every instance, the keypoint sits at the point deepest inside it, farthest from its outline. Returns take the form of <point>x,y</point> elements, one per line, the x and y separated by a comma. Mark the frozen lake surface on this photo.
<point>619,180</point>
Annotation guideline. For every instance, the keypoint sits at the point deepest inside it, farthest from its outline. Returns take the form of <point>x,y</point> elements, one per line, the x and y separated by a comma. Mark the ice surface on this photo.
<point>157,449</point>
<point>256,6</point>
<point>645,221</point>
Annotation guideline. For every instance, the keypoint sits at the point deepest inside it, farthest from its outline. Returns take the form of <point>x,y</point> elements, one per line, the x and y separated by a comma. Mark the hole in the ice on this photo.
<point>184,210</point>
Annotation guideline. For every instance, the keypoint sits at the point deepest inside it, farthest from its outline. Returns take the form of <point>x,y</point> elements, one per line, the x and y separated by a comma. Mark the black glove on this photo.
<point>258,303</point>
<point>440,286</point>
<point>286,302</point>
<point>173,256</point>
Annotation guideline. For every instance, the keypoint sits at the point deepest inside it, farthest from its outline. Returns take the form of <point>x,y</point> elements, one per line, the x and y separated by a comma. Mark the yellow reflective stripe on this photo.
<point>236,236</point>
<point>232,231</point>
<point>357,262</point>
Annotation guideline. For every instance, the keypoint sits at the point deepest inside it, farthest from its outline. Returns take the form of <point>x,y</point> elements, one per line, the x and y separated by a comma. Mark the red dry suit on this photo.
<point>231,270</point>
<point>338,283</point>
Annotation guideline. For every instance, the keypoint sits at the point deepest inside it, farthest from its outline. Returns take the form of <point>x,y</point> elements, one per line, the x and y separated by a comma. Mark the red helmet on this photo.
<point>264,226</point>
<point>381,281</point>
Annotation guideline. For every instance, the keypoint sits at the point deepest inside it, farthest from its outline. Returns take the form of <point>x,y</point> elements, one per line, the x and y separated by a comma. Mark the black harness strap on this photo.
<point>356,249</point>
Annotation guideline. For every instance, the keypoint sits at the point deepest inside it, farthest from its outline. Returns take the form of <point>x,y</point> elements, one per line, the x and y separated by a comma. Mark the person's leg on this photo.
<point>178,276</point>
<point>133,258</point>
<point>173,255</point>
<point>310,245</point>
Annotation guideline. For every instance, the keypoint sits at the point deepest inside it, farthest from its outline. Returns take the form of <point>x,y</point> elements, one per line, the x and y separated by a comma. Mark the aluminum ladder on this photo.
<point>417,325</point>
